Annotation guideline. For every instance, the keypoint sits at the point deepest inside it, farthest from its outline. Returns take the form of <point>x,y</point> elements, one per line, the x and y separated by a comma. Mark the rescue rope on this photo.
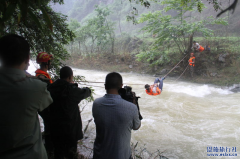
<point>182,73</point>
<point>175,66</point>
<point>89,82</point>
<point>91,85</point>
<point>132,84</point>
<point>104,82</point>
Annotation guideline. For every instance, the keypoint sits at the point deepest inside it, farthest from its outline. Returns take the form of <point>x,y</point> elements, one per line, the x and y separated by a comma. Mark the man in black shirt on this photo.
<point>65,119</point>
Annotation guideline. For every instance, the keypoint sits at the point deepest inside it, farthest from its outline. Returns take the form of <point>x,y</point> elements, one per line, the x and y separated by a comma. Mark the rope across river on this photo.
<point>175,66</point>
<point>143,84</point>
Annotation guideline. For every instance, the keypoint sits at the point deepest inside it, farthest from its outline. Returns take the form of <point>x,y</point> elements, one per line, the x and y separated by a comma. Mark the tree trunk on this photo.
<point>71,47</point>
<point>86,48</point>
<point>119,26</point>
<point>113,40</point>
<point>190,43</point>
<point>79,47</point>
<point>93,40</point>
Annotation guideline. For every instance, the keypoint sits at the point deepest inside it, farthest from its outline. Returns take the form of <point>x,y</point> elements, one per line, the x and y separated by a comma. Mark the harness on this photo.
<point>150,92</point>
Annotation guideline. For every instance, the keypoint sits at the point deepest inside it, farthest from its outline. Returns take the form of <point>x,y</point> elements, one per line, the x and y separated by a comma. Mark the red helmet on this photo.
<point>192,53</point>
<point>43,57</point>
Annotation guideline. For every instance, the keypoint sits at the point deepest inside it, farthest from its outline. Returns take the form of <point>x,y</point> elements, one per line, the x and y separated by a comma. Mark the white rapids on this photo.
<point>183,122</point>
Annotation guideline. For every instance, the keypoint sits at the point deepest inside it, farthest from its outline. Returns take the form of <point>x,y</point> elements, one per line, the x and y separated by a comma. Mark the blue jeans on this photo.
<point>160,81</point>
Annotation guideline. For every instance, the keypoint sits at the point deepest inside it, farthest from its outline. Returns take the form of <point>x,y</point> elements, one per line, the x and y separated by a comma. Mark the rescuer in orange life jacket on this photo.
<point>44,60</point>
<point>197,47</point>
<point>156,88</point>
<point>191,62</point>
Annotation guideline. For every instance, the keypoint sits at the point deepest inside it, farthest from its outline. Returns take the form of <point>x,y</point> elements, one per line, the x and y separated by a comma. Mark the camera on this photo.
<point>127,94</point>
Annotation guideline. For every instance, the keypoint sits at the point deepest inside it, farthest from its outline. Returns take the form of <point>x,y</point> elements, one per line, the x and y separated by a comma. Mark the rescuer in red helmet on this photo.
<point>44,60</point>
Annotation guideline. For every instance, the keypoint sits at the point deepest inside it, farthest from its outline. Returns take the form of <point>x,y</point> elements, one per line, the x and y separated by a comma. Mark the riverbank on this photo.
<point>211,67</point>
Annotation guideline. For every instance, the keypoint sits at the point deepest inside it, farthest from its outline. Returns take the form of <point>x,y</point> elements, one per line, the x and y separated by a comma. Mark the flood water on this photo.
<point>185,122</point>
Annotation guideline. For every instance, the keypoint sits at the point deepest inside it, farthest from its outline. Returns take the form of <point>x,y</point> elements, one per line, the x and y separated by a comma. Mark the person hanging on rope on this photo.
<point>191,62</point>
<point>197,47</point>
<point>156,88</point>
<point>44,60</point>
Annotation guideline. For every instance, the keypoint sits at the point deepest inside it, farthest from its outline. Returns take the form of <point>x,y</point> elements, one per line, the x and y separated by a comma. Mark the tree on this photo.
<point>174,32</point>
<point>74,25</point>
<point>98,32</point>
<point>184,3</point>
<point>44,29</point>
<point>24,9</point>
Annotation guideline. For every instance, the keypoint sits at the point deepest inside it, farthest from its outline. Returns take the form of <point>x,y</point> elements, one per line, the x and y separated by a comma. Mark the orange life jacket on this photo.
<point>201,48</point>
<point>158,91</point>
<point>41,72</point>
<point>191,60</point>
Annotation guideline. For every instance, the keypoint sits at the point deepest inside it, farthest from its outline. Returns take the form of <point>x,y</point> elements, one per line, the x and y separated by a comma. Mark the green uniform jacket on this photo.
<point>21,98</point>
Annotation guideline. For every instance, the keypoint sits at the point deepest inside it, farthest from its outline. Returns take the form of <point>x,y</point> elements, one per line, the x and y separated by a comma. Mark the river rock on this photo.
<point>130,66</point>
<point>222,57</point>
<point>236,89</point>
<point>164,71</point>
<point>213,74</point>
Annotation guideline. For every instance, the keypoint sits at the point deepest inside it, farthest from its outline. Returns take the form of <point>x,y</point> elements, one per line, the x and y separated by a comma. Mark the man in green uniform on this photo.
<point>21,98</point>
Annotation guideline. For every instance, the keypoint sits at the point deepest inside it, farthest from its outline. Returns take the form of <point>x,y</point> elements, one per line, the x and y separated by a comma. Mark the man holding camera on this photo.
<point>114,118</point>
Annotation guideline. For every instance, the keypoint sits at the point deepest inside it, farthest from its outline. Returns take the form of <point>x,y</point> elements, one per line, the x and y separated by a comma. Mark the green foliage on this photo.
<point>79,79</point>
<point>154,57</point>
<point>174,31</point>
<point>23,9</point>
<point>44,29</point>
<point>98,32</point>
<point>185,3</point>
<point>142,2</point>
<point>73,25</point>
